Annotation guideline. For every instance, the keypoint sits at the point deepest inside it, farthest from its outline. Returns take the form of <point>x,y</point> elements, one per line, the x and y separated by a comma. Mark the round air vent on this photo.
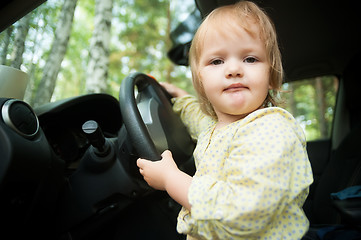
<point>20,117</point>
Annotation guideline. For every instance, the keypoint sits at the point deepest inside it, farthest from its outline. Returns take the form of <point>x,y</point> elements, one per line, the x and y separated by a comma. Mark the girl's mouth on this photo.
<point>235,87</point>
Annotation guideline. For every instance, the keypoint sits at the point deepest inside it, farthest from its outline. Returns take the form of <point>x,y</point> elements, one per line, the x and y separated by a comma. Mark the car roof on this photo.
<point>316,37</point>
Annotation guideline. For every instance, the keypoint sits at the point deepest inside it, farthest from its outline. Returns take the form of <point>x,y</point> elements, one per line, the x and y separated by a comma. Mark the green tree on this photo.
<point>97,70</point>
<point>6,38</point>
<point>139,42</point>
<point>312,101</point>
<point>19,41</point>
<point>58,49</point>
<point>42,28</point>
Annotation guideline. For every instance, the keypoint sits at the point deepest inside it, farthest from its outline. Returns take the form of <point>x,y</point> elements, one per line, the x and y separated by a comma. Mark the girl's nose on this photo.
<point>233,68</point>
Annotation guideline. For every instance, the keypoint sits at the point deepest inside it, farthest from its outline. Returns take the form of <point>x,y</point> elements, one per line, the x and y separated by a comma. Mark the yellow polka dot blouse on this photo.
<point>252,176</point>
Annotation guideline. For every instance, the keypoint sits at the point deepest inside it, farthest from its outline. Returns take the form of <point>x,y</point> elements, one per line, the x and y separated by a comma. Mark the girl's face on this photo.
<point>234,71</point>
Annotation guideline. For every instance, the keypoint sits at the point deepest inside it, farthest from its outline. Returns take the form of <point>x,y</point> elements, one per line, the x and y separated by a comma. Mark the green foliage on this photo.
<point>300,98</point>
<point>139,42</point>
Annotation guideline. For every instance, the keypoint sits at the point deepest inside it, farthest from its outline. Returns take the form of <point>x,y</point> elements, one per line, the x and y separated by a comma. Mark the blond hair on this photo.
<point>243,14</point>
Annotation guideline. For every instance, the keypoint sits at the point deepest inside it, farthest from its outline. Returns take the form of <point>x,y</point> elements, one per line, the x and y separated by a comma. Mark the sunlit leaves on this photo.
<point>302,99</point>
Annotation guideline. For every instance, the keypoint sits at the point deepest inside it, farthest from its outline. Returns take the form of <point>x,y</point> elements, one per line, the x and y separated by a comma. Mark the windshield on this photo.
<point>69,48</point>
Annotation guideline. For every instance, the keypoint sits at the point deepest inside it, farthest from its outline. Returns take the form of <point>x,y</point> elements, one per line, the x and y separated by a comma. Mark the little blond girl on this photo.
<point>253,173</point>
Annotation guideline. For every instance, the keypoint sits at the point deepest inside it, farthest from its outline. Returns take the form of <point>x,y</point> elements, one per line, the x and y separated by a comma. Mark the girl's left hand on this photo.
<point>158,173</point>
<point>173,90</point>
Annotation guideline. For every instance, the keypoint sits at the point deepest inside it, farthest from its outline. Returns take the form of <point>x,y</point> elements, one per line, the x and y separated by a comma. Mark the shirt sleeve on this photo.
<point>264,173</point>
<point>191,115</point>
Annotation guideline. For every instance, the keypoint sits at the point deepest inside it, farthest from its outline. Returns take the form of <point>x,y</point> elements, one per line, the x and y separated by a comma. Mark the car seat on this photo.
<point>343,169</point>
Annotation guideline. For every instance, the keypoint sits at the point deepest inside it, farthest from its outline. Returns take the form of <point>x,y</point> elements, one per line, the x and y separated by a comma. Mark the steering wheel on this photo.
<point>150,121</point>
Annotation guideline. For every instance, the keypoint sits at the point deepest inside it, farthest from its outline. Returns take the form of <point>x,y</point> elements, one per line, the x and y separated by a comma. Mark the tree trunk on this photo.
<point>168,43</point>
<point>320,98</point>
<point>7,38</point>
<point>97,69</point>
<point>29,92</point>
<point>292,102</point>
<point>19,42</point>
<point>57,53</point>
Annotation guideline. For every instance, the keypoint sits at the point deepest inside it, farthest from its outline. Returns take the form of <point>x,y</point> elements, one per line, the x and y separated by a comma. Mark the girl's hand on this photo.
<point>164,175</point>
<point>158,173</point>
<point>173,90</point>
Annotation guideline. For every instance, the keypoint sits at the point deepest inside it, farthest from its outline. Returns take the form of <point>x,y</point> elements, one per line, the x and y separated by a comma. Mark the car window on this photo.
<point>312,102</point>
<point>138,42</point>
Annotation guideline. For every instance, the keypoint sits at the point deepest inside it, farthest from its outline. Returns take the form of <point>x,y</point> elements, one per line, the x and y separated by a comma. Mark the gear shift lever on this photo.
<point>101,154</point>
<point>96,137</point>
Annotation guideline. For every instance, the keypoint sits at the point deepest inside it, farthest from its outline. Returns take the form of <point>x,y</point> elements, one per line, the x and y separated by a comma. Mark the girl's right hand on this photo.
<point>173,90</point>
<point>158,173</point>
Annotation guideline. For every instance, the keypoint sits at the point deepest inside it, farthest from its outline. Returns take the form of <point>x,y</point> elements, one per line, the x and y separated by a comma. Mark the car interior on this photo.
<point>44,190</point>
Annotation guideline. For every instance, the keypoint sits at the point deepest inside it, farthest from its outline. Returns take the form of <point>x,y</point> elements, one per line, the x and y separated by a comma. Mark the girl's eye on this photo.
<point>250,60</point>
<point>216,62</point>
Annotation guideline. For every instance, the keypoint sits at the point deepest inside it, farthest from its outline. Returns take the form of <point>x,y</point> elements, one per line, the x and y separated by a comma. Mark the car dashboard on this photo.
<point>62,123</point>
<point>43,174</point>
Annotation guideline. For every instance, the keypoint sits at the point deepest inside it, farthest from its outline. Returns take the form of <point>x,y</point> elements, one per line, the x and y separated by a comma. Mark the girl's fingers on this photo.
<point>166,152</point>
<point>141,162</point>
